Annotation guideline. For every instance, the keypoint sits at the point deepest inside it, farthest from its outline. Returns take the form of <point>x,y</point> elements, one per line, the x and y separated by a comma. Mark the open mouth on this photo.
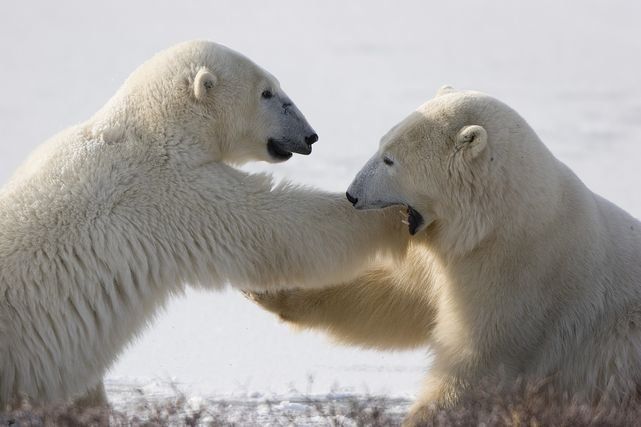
<point>276,151</point>
<point>414,219</point>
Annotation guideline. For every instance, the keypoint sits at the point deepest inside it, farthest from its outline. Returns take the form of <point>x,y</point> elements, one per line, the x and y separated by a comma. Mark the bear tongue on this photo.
<point>414,219</point>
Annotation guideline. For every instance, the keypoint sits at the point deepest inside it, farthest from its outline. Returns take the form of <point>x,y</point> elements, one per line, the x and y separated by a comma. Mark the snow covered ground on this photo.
<point>354,68</point>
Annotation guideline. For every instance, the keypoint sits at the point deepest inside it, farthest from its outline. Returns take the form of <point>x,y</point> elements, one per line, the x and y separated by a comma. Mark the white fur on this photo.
<point>518,271</point>
<point>111,217</point>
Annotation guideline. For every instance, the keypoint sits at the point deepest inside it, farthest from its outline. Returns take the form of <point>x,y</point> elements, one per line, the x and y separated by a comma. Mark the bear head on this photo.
<point>206,93</point>
<point>455,161</point>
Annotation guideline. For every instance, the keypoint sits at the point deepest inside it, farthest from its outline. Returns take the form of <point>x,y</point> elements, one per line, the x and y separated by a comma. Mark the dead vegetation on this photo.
<point>517,406</point>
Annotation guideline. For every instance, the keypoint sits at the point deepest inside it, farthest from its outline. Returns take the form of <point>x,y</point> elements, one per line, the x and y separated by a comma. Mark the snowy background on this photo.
<point>572,69</point>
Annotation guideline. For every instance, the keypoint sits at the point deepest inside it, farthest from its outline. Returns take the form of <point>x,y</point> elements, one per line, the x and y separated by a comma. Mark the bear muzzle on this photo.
<point>282,149</point>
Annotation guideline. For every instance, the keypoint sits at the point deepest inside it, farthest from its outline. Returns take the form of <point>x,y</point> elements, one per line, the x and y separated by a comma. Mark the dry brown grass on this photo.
<point>516,406</point>
<point>346,411</point>
<point>530,405</point>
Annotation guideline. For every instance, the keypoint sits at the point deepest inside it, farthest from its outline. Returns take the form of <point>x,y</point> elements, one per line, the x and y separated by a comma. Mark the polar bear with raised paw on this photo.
<point>515,268</point>
<point>111,217</point>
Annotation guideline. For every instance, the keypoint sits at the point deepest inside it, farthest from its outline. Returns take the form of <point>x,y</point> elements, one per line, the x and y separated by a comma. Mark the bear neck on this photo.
<point>143,115</point>
<point>510,209</point>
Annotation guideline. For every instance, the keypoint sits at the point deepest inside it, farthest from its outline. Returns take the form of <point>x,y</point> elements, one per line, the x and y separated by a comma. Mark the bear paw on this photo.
<point>280,303</point>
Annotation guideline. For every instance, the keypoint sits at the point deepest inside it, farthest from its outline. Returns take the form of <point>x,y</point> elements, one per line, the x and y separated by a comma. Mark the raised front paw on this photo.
<point>278,302</point>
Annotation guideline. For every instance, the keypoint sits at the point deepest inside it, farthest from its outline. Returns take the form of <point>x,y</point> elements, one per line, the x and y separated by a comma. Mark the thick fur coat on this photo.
<point>111,217</point>
<point>515,270</point>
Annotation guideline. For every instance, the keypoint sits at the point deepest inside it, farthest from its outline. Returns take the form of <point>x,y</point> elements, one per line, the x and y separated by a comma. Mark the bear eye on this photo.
<point>388,161</point>
<point>267,94</point>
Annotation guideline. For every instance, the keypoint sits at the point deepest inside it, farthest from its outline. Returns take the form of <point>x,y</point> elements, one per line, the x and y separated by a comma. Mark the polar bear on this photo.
<point>515,269</point>
<point>111,217</point>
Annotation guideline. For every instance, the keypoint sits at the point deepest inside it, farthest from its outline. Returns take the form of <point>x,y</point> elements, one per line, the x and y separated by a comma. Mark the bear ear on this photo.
<point>472,138</point>
<point>444,90</point>
<point>204,82</point>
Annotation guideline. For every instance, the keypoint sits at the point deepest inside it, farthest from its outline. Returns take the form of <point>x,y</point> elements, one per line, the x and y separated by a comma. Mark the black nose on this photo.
<point>353,200</point>
<point>311,139</point>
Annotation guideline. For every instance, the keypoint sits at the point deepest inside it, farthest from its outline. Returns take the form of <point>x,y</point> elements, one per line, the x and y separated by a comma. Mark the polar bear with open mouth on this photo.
<point>515,268</point>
